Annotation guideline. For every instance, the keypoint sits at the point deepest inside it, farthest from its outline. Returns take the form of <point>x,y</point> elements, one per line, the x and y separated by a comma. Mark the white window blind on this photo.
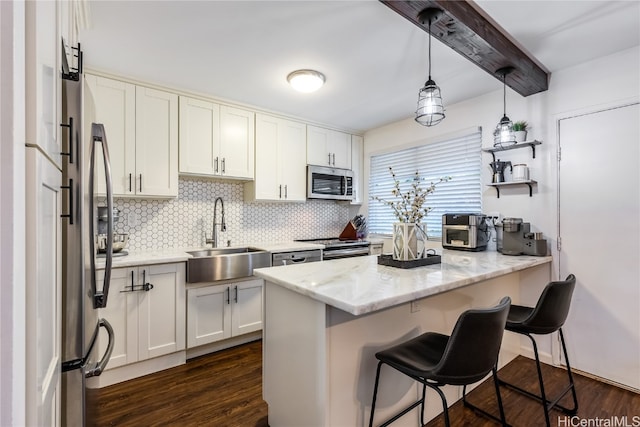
<point>459,158</point>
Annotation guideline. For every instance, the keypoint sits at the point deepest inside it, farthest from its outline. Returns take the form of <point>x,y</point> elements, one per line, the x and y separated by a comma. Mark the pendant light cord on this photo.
<point>429,49</point>
<point>504,93</point>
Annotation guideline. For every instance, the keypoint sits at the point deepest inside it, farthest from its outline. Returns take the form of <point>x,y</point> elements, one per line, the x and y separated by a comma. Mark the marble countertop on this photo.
<point>359,285</point>
<point>287,246</point>
<point>135,258</point>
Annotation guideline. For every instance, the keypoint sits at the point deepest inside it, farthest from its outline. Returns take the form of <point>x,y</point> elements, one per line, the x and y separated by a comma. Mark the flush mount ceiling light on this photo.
<point>306,81</point>
<point>504,134</point>
<point>430,110</point>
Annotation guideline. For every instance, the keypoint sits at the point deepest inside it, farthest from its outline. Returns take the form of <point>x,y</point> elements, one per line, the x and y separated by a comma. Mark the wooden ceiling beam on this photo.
<point>468,30</point>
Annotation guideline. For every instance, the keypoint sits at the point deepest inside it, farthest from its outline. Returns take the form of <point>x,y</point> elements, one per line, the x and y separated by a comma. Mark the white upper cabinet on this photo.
<point>237,142</point>
<point>292,168</point>
<point>199,136</point>
<point>156,170</point>
<point>216,140</point>
<point>113,103</point>
<point>326,147</point>
<point>43,84</point>
<point>141,125</point>
<point>357,162</point>
<point>280,160</point>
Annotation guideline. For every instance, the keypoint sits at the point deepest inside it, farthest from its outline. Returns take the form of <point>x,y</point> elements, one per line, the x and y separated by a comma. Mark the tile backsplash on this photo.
<point>183,222</point>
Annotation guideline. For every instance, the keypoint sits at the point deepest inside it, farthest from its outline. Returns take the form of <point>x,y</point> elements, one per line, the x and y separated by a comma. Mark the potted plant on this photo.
<point>520,130</point>
<point>409,208</point>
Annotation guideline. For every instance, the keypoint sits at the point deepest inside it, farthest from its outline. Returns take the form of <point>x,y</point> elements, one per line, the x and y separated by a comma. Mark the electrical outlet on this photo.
<point>415,306</point>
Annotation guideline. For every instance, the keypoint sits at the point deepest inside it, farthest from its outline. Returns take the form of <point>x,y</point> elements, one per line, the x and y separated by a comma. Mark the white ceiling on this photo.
<point>374,60</point>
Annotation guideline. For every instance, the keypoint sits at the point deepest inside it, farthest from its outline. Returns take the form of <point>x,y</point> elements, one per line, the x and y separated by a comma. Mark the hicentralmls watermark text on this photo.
<point>613,421</point>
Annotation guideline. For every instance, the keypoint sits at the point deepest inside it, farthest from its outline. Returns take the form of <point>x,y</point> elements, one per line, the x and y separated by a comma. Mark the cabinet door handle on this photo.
<point>70,214</point>
<point>228,295</point>
<point>224,168</point>
<point>280,193</point>
<point>286,193</point>
<point>236,298</point>
<point>132,287</point>
<point>215,167</point>
<point>130,183</point>
<point>70,152</point>
<point>329,159</point>
<point>145,285</point>
<point>334,159</point>
<point>141,183</point>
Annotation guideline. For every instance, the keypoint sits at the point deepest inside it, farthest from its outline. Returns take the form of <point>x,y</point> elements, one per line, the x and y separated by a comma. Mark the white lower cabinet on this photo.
<point>218,312</point>
<point>147,323</point>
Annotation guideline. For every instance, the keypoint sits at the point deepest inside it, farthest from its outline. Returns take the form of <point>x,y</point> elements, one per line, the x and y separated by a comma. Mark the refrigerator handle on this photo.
<point>98,135</point>
<point>97,370</point>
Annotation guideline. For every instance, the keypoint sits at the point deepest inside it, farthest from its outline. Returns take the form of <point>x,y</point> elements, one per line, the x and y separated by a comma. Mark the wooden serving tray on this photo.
<point>386,259</point>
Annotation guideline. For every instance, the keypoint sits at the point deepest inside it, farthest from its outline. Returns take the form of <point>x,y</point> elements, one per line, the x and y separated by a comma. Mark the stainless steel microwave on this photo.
<point>329,183</point>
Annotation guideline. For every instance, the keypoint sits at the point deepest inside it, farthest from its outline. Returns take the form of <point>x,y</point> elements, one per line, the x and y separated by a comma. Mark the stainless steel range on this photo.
<point>335,248</point>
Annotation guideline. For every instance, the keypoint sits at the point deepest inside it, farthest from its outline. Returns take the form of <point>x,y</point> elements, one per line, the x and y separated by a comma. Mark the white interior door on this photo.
<point>600,235</point>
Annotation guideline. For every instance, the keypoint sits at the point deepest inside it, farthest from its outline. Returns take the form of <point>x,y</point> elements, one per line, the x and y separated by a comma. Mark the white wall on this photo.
<point>609,81</point>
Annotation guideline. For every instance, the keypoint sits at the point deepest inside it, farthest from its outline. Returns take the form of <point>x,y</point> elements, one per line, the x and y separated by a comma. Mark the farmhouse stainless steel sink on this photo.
<point>211,264</point>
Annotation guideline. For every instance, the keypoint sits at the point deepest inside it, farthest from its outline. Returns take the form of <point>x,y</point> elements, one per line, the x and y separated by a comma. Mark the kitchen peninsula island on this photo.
<point>325,321</point>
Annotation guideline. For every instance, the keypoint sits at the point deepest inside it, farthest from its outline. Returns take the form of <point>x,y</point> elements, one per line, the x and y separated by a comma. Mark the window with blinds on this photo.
<point>459,158</point>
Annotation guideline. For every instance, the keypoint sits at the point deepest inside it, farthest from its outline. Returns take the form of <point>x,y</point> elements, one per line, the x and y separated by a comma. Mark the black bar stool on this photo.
<point>546,317</point>
<point>463,358</point>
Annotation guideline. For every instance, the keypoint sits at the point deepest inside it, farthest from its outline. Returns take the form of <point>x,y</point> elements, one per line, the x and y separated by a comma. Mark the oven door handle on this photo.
<point>457,227</point>
<point>344,252</point>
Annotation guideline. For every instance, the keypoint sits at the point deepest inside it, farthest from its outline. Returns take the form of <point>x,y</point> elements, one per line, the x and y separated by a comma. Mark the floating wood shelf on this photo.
<point>529,183</point>
<point>515,146</point>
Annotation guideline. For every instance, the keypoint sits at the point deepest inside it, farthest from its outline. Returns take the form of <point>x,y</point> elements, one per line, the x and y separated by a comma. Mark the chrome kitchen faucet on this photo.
<point>223,225</point>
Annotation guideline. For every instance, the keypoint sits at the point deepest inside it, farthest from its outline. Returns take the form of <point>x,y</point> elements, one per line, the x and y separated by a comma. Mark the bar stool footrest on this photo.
<point>550,403</point>
<point>401,413</point>
<point>474,408</point>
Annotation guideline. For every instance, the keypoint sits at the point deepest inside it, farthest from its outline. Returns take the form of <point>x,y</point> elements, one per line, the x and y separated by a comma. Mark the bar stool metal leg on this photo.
<point>375,394</point>
<point>502,420</point>
<point>546,403</point>
<point>404,411</point>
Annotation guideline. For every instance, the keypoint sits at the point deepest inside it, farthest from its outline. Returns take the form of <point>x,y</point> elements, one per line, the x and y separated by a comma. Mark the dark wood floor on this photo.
<point>225,389</point>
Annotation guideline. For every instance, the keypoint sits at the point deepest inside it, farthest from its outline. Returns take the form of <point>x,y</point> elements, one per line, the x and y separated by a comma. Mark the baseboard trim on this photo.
<point>138,369</point>
<point>544,356</point>
<point>222,345</point>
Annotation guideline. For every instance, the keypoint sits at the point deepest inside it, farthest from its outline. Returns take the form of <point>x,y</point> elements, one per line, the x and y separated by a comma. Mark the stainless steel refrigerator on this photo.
<point>82,294</point>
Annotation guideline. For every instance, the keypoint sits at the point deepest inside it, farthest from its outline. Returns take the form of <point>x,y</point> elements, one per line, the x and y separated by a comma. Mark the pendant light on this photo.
<point>504,134</point>
<point>430,110</point>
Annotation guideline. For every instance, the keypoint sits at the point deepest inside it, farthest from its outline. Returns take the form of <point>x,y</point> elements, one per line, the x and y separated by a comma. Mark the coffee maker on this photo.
<point>517,239</point>
<point>498,167</point>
